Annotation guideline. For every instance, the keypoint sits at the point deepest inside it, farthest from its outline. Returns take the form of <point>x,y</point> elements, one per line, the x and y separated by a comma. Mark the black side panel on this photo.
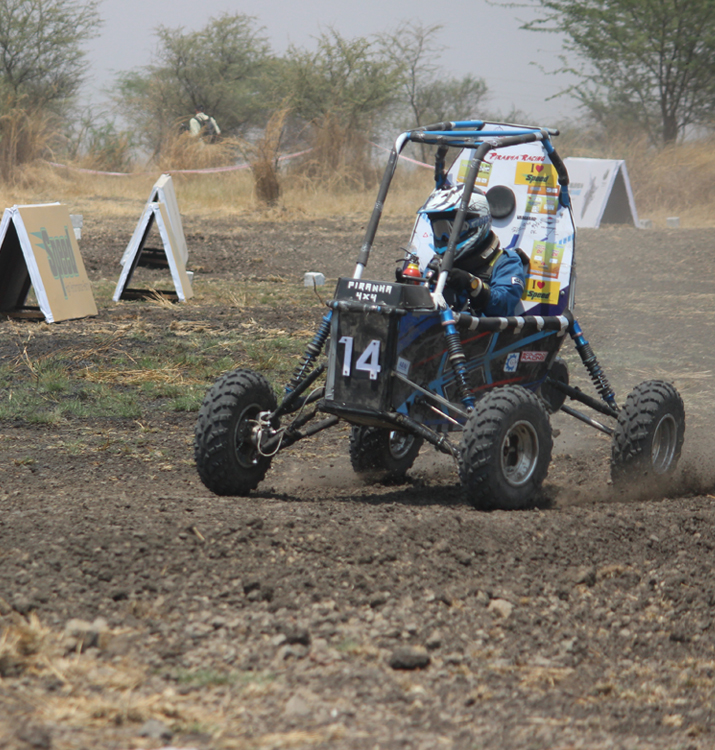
<point>14,276</point>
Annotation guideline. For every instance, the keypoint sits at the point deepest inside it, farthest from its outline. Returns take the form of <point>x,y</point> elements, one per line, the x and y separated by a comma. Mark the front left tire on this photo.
<point>226,452</point>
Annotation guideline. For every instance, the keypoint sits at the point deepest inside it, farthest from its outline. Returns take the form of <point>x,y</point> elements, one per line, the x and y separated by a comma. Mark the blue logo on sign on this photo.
<point>512,362</point>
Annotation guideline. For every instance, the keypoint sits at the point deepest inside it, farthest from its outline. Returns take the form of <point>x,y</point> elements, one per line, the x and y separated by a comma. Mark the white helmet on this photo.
<point>441,209</point>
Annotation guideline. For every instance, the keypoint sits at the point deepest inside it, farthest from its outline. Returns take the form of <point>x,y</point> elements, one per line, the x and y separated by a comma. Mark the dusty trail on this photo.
<point>288,619</point>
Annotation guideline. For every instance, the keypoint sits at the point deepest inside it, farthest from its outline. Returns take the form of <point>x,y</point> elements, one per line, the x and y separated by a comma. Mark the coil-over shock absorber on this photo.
<point>594,368</point>
<point>457,358</point>
<point>312,352</point>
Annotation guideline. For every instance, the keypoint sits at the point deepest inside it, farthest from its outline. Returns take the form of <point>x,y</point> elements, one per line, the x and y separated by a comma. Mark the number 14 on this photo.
<point>368,361</point>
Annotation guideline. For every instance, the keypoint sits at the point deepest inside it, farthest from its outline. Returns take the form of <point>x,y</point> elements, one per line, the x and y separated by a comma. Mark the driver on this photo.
<point>485,279</point>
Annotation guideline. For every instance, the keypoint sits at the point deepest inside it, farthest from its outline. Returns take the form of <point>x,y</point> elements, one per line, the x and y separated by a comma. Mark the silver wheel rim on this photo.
<point>400,444</point>
<point>519,453</point>
<point>665,439</point>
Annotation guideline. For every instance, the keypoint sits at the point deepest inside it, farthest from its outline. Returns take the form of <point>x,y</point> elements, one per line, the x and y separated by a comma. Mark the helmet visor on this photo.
<point>441,229</point>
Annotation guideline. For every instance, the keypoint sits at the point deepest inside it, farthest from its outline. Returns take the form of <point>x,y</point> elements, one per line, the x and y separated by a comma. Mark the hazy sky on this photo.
<point>480,39</point>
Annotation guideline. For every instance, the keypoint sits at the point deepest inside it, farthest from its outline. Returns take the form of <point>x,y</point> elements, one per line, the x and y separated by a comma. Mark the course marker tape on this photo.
<point>207,170</point>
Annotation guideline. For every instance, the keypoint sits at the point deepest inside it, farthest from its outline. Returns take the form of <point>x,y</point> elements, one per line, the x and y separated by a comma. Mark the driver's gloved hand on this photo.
<point>461,281</point>
<point>478,291</point>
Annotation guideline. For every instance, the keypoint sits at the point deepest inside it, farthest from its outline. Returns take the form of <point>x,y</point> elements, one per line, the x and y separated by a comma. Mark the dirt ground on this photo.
<point>325,613</point>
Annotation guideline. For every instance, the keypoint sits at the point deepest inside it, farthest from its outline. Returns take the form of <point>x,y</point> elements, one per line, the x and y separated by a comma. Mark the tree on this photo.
<point>341,89</point>
<point>42,67</point>
<point>649,61</point>
<point>42,63</point>
<point>219,67</point>
<point>429,94</point>
<point>452,99</point>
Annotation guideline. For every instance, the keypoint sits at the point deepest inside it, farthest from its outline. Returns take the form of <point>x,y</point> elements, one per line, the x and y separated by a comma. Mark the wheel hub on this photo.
<point>519,453</point>
<point>665,438</point>
<point>247,435</point>
<point>400,443</point>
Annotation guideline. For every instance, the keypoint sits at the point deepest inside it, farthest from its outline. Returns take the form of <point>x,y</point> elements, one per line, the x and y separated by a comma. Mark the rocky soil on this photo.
<point>139,610</point>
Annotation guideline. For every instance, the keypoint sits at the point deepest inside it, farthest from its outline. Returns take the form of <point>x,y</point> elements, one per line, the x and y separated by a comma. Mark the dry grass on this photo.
<point>676,181</point>
<point>671,181</point>
<point>263,158</point>
<point>24,136</point>
<point>23,645</point>
<point>184,151</point>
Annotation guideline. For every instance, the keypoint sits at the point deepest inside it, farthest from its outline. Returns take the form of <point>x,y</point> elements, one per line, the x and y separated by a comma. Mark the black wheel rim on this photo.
<point>665,441</point>
<point>519,453</point>
<point>245,449</point>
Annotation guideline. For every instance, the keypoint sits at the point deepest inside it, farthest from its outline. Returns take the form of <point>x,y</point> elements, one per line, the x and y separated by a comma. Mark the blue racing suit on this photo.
<point>503,282</point>
<point>506,285</point>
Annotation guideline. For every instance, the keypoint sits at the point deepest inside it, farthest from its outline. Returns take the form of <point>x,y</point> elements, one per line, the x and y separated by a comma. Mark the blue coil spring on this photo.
<point>312,352</point>
<point>458,361</point>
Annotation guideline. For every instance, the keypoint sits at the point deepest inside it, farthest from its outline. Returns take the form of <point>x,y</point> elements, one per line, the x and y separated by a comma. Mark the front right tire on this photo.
<point>505,450</point>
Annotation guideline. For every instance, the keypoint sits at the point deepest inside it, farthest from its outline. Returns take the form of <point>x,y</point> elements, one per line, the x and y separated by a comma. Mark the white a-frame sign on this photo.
<point>163,192</point>
<point>153,211</point>
<point>38,249</point>
<point>600,192</point>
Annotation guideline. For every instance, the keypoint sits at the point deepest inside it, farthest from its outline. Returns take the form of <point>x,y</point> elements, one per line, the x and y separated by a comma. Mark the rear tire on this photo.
<point>648,438</point>
<point>505,450</point>
<point>382,454</point>
<point>225,452</point>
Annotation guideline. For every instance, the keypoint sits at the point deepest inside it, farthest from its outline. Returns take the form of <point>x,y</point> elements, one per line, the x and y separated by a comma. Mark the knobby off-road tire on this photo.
<point>226,458</point>
<point>381,454</point>
<point>649,434</point>
<point>505,450</point>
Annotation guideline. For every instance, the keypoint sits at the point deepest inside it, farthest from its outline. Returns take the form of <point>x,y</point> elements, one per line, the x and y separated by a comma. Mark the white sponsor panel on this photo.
<point>539,225</point>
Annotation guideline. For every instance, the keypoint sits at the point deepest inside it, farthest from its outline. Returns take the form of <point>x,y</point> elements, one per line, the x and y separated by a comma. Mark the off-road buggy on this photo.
<point>403,368</point>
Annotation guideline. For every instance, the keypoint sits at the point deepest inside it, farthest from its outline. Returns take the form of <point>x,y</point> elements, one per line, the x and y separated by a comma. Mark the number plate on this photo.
<point>361,359</point>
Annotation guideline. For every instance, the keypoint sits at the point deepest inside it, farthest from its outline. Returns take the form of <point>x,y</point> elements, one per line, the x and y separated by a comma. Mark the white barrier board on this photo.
<point>163,192</point>
<point>601,192</point>
<point>38,248</point>
<point>155,212</point>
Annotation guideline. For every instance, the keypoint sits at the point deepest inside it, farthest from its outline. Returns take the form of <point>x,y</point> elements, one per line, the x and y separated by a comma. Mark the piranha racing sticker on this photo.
<point>533,356</point>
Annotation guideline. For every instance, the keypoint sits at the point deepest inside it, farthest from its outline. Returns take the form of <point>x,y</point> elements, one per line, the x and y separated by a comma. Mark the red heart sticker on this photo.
<point>541,284</point>
<point>539,167</point>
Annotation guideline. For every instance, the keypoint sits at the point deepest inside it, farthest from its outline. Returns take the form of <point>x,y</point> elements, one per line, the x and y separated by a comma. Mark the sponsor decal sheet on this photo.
<point>540,226</point>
